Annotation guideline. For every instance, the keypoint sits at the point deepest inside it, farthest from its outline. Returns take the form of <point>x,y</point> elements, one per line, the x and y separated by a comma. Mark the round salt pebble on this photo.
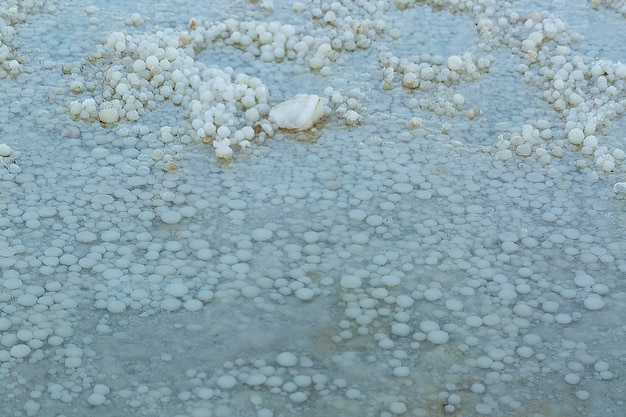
<point>357,215</point>
<point>176,289</point>
<point>582,395</point>
<point>226,381</point>
<point>550,306</point>
<point>5,324</point>
<point>477,388</point>
<point>171,217</point>
<point>350,281</point>
<point>261,234</point>
<point>402,188</point>
<point>250,291</point>
<point>192,305</point>
<point>473,321</point>
<point>454,305</point>
<point>353,393</point>
<point>286,359</point>
<point>432,294</point>
<point>400,329</point>
<point>73,362</point>
<point>20,350</point>
<point>298,397</point>
<point>256,380</point>
<point>593,302</point>
<point>32,407</point>
<point>204,393</point>
<point>454,62</point>
<point>27,300</point>
<point>86,236</point>
<point>397,407</point>
<point>404,301</point>
<point>524,351</point>
<point>437,337</point>
<point>302,380</point>
<point>401,371</point>
<point>116,306</point>
<point>576,136</point>
<point>96,399</point>
<point>109,115</point>
<point>601,366</point>
<point>572,379</point>
<point>12,283</point>
<point>304,294</point>
<point>428,326</point>
<point>311,236</point>
<point>458,100</point>
<point>391,280</point>
<point>523,310</point>
<point>583,280</point>
<point>5,150</point>
<point>563,318</point>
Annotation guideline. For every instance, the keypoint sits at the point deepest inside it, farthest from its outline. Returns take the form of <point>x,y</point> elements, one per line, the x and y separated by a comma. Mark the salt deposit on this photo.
<point>298,113</point>
<point>336,208</point>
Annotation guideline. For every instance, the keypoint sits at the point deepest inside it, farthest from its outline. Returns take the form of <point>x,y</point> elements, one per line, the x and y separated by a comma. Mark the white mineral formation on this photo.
<point>298,113</point>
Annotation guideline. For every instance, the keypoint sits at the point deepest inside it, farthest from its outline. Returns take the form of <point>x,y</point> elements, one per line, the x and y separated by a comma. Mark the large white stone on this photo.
<point>298,113</point>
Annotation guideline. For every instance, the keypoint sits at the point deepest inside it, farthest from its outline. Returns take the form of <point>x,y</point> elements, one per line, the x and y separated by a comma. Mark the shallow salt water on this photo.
<point>447,240</point>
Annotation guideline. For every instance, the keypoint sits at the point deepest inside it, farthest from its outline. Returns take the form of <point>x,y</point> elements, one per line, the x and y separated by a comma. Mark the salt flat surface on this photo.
<point>447,240</point>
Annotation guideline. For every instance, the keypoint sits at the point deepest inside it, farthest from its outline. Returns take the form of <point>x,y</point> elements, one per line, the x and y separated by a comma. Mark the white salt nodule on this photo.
<point>304,294</point>
<point>171,217</point>
<point>286,359</point>
<point>96,399</point>
<point>108,115</point>
<point>256,379</point>
<point>437,337</point>
<point>576,136</point>
<point>432,294</point>
<point>298,113</point>
<point>583,280</point>
<point>593,302</point>
<point>391,280</point>
<point>116,306</point>
<point>20,350</point>
<point>5,150</point>
<point>226,381</point>
<point>176,289</point>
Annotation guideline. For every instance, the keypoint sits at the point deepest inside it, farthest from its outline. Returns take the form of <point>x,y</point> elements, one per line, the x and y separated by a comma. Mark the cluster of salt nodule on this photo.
<point>347,105</point>
<point>428,71</point>
<point>616,5</point>
<point>587,93</point>
<point>223,108</point>
<point>293,377</point>
<point>7,159</point>
<point>14,13</point>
